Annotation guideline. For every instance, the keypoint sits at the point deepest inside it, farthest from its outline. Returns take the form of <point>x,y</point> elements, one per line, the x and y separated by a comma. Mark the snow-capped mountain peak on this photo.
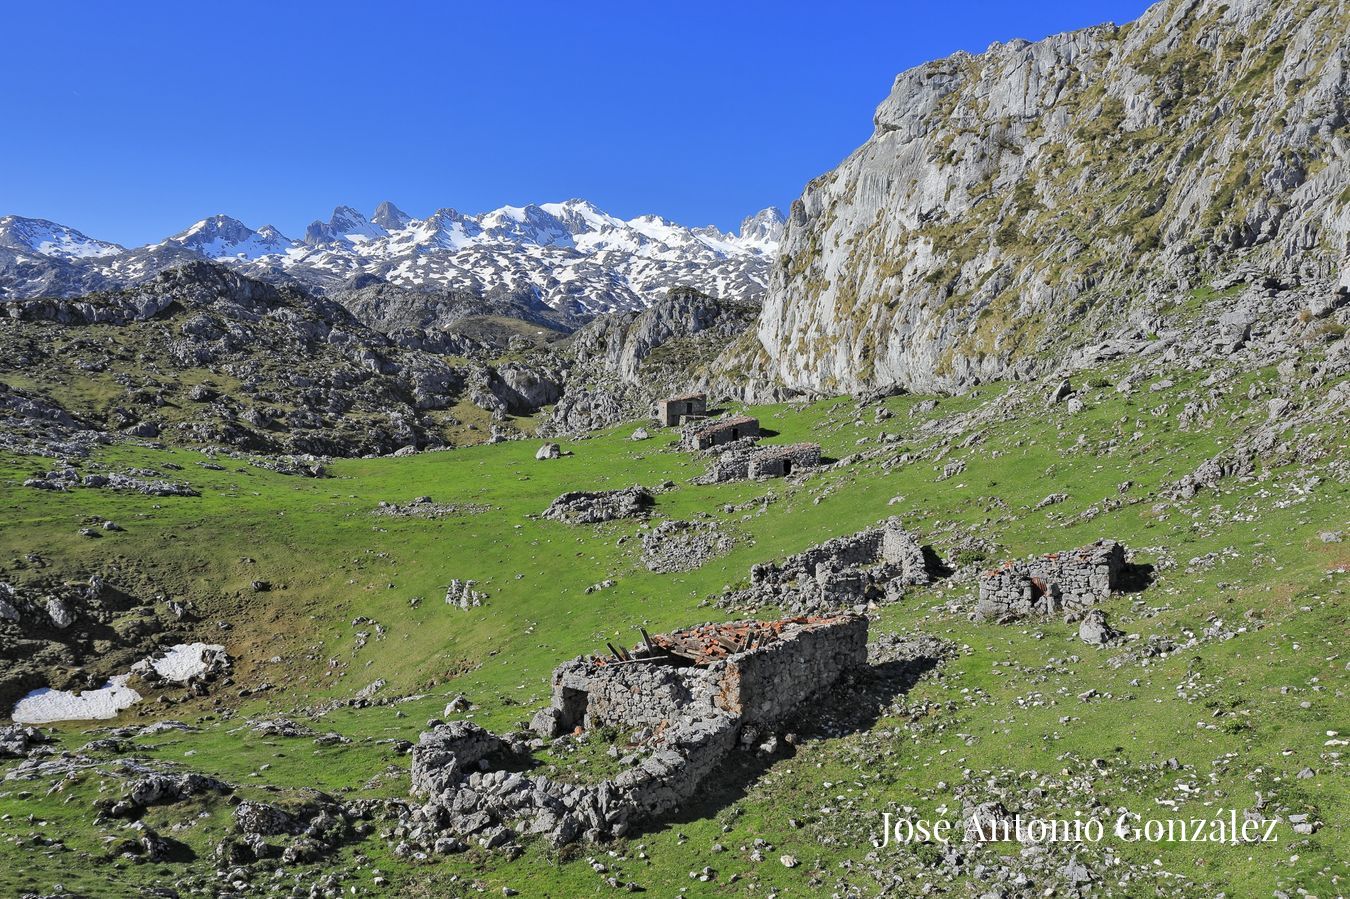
<point>346,225</point>
<point>224,238</point>
<point>44,238</point>
<point>764,229</point>
<point>570,254</point>
<point>390,217</point>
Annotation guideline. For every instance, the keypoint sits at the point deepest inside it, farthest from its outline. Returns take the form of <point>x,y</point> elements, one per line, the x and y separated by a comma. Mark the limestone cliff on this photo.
<point>1014,203</point>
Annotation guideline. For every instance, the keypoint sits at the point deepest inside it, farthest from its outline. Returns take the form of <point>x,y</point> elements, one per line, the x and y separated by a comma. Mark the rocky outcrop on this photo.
<point>582,507</point>
<point>206,356</point>
<point>619,364</point>
<point>1016,204</point>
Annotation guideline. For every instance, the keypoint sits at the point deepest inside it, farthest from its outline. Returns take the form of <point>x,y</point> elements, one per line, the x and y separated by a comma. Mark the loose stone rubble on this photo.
<point>147,483</point>
<point>426,507</point>
<point>581,507</point>
<point>871,566</point>
<point>462,594</point>
<point>1069,582</point>
<point>683,545</point>
<point>694,693</point>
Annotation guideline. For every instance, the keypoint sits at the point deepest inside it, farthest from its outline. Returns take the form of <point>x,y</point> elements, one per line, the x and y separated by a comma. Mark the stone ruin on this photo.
<point>1064,582</point>
<point>692,696</point>
<point>704,435</point>
<point>749,461</point>
<point>580,507</point>
<point>871,566</point>
<point>674,410</point>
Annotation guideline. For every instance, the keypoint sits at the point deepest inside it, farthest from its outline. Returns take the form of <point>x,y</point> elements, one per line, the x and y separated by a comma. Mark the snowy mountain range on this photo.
<point>572,256</point>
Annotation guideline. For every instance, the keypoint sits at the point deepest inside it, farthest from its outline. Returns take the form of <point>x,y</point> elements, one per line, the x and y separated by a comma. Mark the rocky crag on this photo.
<point>1015,205</point>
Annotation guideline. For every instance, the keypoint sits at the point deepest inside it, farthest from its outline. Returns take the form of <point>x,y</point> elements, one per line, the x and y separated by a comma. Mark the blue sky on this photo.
<point>131,120</point>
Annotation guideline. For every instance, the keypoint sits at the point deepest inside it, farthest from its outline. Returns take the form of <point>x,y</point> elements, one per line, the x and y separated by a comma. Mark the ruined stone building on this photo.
<point>723,430</point>
<point>694,695</point>
<point>873,565</point>
<point>673,410</point>
<point>1069,581</point>
<point>781,461</point>
<point>740,463</point>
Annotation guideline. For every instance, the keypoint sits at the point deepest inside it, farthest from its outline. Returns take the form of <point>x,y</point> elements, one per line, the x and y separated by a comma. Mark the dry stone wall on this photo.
<point>1070,581</point>
<point>874,565</point>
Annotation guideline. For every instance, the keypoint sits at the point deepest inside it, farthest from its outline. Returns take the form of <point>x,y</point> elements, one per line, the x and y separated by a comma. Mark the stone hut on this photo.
<point>697,693</point>
<point>745,460</point>
<point>781,461</point>
<point>724,430</point>
<point>1069,581</point>
<point>754,671</point>
<point>673,410</point>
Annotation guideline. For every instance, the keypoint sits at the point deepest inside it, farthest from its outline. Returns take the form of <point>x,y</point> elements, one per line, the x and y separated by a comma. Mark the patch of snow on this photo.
<point>45,705</point>
<point>183,661</point>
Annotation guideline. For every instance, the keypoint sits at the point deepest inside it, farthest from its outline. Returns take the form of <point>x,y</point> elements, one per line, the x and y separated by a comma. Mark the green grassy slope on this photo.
<point>1242,715</point>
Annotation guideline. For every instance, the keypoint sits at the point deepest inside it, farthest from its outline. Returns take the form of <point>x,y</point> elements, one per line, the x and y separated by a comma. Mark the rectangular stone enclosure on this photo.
<point>754,672</point>
<point>725,430</point>
<point>1069,581</point>
<point>671,411</point>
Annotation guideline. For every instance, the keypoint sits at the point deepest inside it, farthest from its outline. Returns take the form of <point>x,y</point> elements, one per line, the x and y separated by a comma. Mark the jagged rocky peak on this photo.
<point>1014,203</point>
<point>390,217</point>
<point>764,228</point>
<point>344,225</point>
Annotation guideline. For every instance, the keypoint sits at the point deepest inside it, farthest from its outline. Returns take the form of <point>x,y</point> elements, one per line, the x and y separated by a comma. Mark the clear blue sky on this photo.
<point>131,120</point>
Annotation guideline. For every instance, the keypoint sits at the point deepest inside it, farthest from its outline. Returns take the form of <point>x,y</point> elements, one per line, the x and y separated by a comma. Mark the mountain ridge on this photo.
<point>575,257</point>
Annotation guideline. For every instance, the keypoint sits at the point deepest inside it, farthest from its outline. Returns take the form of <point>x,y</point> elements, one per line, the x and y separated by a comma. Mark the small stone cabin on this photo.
<point>726,430</point>
<point>672,410</point>
<point>753,671</point>
<point>781,461</point>
<point>1069,581</point>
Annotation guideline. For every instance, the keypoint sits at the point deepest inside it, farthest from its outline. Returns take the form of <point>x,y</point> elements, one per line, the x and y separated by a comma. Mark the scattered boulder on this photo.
<point>1094,629</point>
<point>581,507</point>
<point>548,451</point>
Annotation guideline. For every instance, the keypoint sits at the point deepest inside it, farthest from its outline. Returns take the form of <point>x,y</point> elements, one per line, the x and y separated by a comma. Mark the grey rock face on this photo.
<point>1013,205</point>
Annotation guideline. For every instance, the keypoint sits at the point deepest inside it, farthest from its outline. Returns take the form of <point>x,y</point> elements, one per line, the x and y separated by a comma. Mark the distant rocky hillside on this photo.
<point>572,257</point>
<point>1033,198</point>
<point>202,356</point>
<point>619,364</point>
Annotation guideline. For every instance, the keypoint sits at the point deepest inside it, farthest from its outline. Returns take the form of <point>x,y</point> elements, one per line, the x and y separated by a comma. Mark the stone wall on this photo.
<point>874,565</point>
<point>763,686</point>
<point>1068,581</point>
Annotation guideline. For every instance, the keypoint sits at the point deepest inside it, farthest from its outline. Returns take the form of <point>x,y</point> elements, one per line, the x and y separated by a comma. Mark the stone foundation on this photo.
<point>580,507</point>
<point>875,565</point>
